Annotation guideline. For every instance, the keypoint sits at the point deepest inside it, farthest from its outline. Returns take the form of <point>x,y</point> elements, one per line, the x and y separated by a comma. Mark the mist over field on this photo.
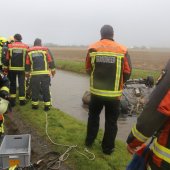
<point>78,22</point>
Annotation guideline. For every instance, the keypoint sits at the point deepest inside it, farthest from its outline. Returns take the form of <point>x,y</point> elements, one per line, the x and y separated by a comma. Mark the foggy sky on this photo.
<point>78,22</point>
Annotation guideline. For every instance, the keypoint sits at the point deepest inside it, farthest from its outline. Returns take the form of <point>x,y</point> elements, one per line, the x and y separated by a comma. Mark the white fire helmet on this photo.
<point>3,105</point>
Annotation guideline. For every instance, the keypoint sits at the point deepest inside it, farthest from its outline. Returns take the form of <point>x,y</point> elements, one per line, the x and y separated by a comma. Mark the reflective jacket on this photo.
<point>156,117</point>
<point>110,68</point>
<point>16,55</point>
<point>39,61</point>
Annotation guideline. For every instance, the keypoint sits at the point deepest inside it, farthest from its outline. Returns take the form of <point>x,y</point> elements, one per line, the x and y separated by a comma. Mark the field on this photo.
<point>62,126</point>
<point>147,59</point>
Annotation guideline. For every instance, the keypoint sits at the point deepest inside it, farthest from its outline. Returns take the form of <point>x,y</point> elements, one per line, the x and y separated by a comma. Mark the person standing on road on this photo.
<point>40,64</point>
<point>15,63</point>
<point>155,118</point>
<point>109,66</point>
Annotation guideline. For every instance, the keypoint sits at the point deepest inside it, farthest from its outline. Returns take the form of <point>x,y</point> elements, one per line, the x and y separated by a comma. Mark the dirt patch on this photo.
<point>41,148</point>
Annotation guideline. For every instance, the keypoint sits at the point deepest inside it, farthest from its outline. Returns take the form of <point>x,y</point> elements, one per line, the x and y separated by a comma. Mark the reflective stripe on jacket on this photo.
<point>155,117</point>
<point>161,146</point>
<point>39,61</point>
<point>16,56</point>
<point>107,61</point>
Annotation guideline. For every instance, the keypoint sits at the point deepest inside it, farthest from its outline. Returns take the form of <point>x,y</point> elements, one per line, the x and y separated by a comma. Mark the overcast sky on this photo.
<point>78,22</point>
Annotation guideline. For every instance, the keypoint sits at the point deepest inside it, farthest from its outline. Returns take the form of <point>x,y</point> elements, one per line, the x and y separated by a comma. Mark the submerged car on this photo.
<point>135,94</point>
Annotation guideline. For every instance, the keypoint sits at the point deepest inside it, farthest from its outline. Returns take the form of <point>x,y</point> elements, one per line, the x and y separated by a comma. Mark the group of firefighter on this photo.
<point>20,62</point>
<point>109,66</point>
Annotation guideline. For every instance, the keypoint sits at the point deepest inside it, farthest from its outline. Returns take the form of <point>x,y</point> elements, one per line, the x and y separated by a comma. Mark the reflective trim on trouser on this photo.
<point>21,82</point>
<point>5,89</point>
<point>35,103</point>
<point>13,95</point>
<point>47,103</point>
<point>40,83</point>
<point>22,98</point>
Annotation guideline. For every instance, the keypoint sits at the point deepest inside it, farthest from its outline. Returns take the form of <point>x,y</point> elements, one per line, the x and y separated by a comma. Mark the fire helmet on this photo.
<point>10,39</point>
<point>2,40</point>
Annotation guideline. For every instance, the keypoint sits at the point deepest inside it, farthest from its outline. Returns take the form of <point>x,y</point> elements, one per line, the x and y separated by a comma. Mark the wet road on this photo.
<point>67,90</point>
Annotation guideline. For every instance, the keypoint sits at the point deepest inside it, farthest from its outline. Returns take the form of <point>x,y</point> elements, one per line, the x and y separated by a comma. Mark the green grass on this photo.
<point>67,130</point>
<point>75,66</point>
<point>79,67</point>
<point>139,73</point>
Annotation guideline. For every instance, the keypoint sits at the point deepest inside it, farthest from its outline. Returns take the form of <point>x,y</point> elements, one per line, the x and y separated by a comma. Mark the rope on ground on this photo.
<point>66,154</point>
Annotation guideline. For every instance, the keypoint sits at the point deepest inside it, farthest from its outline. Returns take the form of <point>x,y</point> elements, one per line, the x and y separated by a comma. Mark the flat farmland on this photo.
<point>147,59</point>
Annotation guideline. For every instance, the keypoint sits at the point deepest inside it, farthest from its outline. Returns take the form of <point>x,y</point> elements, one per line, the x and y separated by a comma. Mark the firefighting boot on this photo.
<point>22,102</point>
<point>46,108</point>
<point>34,107</point>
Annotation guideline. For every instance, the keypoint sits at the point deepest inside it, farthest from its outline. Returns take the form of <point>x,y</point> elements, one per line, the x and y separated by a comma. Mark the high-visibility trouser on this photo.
<point>40,82</point>
<point>21,81</point>
<point>1,124</point>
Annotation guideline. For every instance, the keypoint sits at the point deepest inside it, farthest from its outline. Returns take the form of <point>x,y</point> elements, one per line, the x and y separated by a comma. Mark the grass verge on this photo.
<point>67,130</point>
<point>79,67</point>
<point>75,66</point>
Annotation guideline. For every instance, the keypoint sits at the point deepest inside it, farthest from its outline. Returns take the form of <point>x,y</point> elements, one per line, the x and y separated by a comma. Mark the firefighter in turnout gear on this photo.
<point>109,65</point>
<point>4,53</point>
<point>155,117</point>
<point>15,63</point>
<point>3,41</point>
<point>39,65</point>
<point>4,96</point>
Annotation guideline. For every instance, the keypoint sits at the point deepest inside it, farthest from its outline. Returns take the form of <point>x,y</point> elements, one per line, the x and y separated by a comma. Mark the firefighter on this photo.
<point>109,66</point>
<point>4,96</point>
<point>15,63</point>
<point>4,52</point>
<point>155,118</point>
<point>2,44</point>
<point>39,64</point>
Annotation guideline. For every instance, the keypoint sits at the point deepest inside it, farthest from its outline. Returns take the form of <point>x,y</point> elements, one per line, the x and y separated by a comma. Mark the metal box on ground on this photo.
<point>15,150</point>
